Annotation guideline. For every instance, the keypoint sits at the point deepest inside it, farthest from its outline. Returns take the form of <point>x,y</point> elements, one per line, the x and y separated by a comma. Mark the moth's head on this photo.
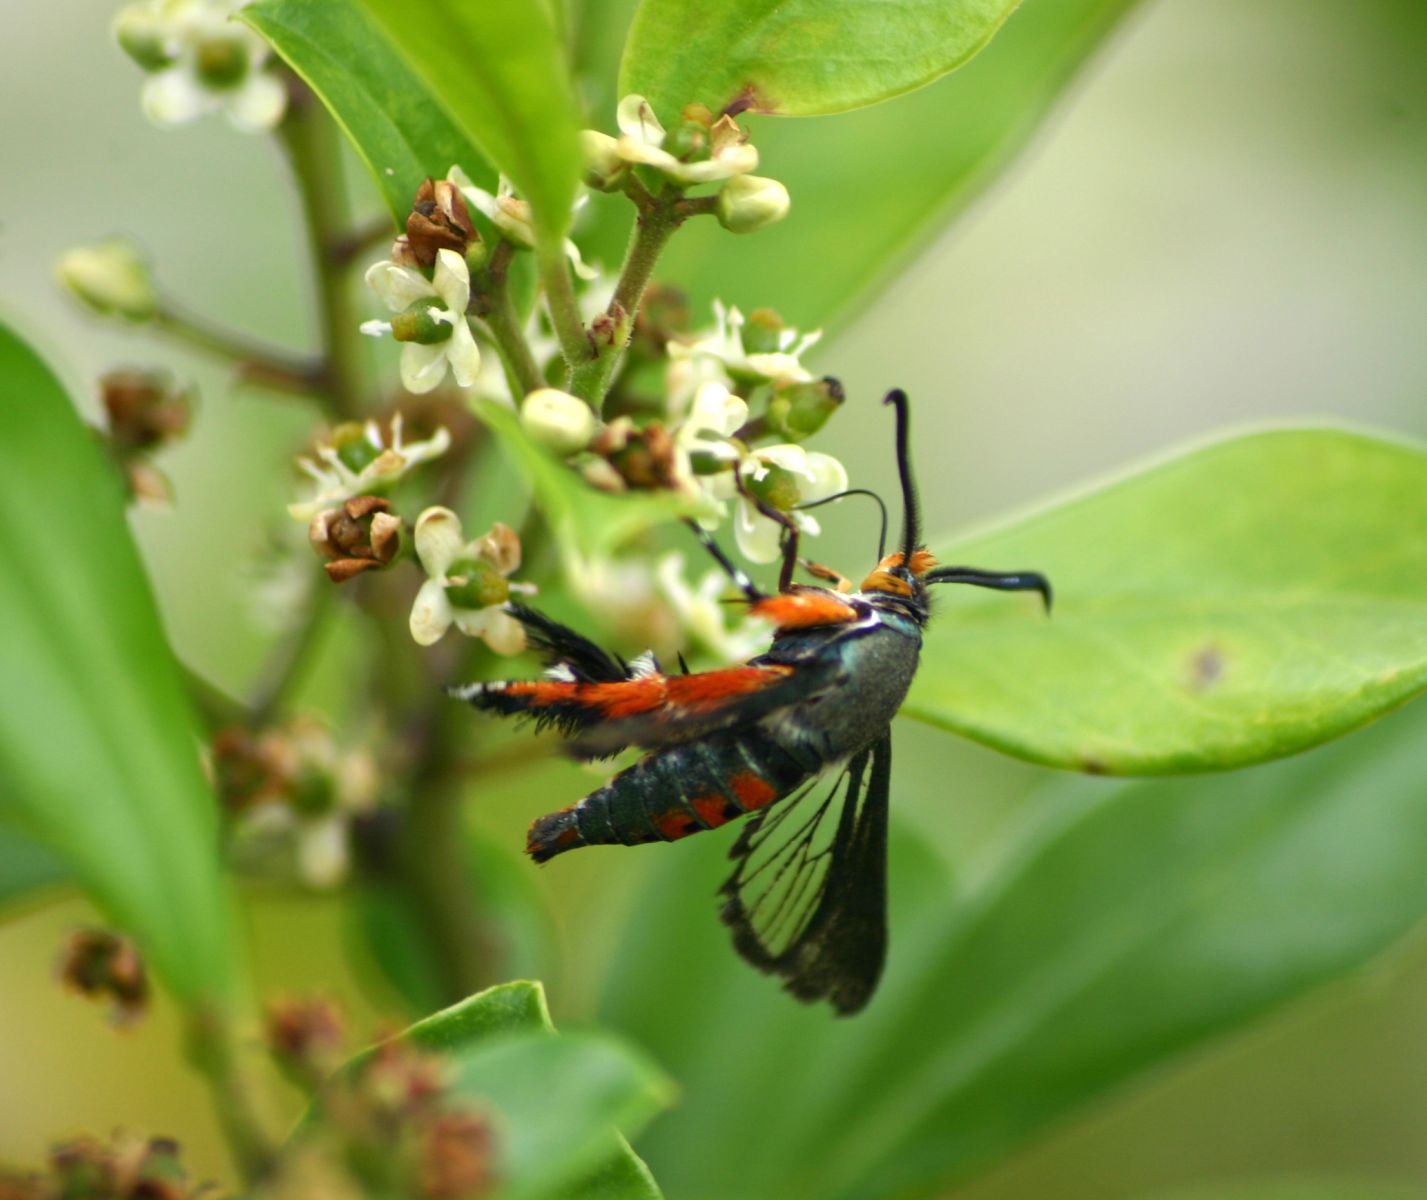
<point>896,576</point>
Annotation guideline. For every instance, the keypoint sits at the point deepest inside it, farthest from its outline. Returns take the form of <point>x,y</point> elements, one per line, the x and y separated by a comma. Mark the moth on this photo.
<point>797,741</point>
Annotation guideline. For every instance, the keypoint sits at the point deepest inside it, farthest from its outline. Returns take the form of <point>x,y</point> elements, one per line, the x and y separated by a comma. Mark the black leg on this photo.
<point>740,579</point>
<point>1012,581</point>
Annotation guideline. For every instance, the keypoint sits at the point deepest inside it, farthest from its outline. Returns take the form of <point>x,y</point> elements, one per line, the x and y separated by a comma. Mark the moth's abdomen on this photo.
<point>672,793</point>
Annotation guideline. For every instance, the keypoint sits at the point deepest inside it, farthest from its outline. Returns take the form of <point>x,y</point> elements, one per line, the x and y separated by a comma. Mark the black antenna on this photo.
<point>881,507</point>
<point>911,521</point>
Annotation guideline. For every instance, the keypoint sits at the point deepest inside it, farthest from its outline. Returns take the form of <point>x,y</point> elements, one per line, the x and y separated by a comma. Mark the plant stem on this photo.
<point>254,361</point>
<point>345,249</point>
<point>314,152</point>
<point>289,663</point>
<point>575,342</point>
<point>504,325</point>
<point>653,228</point>
<point>213,1050</point>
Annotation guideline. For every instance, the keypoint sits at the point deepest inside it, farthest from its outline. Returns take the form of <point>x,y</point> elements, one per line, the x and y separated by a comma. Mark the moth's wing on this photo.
<point>567,654</point>
<point>808,898</point>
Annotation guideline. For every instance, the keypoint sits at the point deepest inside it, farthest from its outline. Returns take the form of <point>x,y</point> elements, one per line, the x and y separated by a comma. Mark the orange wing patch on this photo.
<point>636,697</point>
<point>804,609</point>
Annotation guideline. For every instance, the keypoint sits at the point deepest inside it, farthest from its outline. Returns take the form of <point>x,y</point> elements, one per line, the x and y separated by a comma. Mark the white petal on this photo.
<point>828,477</point>
<point>636,120</point>
<point>439,541</point>
<point>452,281</point>
<point>783,367</point>
<point>578,264</point>
<point>717,409</point>
<point>788,456</point>
<point>737,161</point>
<point>423,367</point>
<point>258,105</point>
<point>464,355</point>
<point>397,286</point>
<point>632,150</point>
<point>322,851</point>
<point>431,614</point>
<point>175,97</point>
<point>433,447</point>
<point>758,538</point>
<point>504,634</point>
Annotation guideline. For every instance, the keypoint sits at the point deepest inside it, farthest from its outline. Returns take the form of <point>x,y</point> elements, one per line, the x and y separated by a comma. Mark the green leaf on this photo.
<point>1236,603</point>
<point>25,871</point>
<point>587,523</point>
<point>1124,925</point>
<point>98,744</point>
<point>798,58</point>
<point>397,127</point>
<point>555,1099</point>
<point>501,73</point>
<point>1307,1189</point>
<point>871,189</point>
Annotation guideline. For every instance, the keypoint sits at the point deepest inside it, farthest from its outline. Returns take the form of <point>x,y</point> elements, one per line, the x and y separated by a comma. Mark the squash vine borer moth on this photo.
<point>798,739</point>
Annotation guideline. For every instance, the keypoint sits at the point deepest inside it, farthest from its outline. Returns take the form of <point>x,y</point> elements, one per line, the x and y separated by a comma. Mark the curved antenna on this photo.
<point>911,520</point>
<point>881,505</point>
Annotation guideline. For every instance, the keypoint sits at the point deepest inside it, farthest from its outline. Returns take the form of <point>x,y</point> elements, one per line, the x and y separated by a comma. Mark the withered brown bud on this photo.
<point>610,330</point>
<point>439,220</point>
<point>456,1158</point>
<point>663,313</point>
<point>362,535</point>
<point>144,408</point>
<point>102,964</point>
<point>401,1080</point>
<point>306,1037</point>
<point>131,1169</point>
<point>644,458</point>
<point>247,771</point>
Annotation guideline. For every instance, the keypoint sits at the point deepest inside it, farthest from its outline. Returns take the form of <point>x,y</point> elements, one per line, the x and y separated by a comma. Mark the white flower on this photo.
<point>642,140</point>
<point>511,215</point>
<point>206,63</point>
<point>466,584</point>
<point>714,416</point>
<point>799,476</point>
<point>725,344</point>
<point>431,321</point>
<point>357,462</point>
<point>704,616</point>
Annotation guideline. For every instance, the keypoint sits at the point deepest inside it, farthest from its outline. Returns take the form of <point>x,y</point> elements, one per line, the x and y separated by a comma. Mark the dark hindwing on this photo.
<point>560,646</point>
<point>808,899</point>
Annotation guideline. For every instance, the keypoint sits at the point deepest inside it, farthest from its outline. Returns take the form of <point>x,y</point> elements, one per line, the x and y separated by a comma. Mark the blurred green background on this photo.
<point>1226,222</point>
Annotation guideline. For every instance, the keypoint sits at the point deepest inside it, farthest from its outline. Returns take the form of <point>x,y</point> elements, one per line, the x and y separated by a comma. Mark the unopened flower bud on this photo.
<point>101,964</point>
<point>111,277</point>
<point>222,61</point>
<point>777,488</point>
<point>750,202</point>
<point>799,410</point>
<point>439,220</point>
<point>761,332</point>
<point>144,36</point>
<point>603,163</point>
<point>562,423</point>
<point>422,321</point>
<point>145,408</point>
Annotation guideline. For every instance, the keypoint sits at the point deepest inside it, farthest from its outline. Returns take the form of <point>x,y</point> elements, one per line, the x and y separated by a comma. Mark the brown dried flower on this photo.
<point>102,964</point>
<point>439,220</point>
<point>362,535</point>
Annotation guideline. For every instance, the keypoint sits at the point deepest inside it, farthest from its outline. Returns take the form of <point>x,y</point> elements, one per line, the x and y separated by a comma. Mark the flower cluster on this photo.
<point>200,61</point>
<point>429,321</point>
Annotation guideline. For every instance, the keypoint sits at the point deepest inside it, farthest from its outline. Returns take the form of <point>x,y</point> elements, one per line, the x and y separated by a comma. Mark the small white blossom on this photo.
<point>642,140</point>
<point>725,344</point>
<point>750,203</point>
<point>511,215</point>
<point>703,614</point>
<point>428,309</point>
<point>452,565</point>
<point>814,476</point>
<point>562,423</point>
<point>338,481</point>
<point>202,61</point>
<point>714,416</point>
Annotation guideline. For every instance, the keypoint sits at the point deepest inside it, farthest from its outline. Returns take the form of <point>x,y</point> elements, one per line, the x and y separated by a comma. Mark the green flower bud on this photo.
<point>476,584</point>
<point>750,202</point>
<point>417,322</point>
<point>603,164</point>
<point>761,331</point>
<point>688,139</point>
<point>778,488</point>
<point>111,277</point>
<point>562,423</point>
<point>222,62</point>
<point>476,255</point>
<point>706,462</point>
<point>799,410</point>
<point>141,35</point>
<point>312,791</point>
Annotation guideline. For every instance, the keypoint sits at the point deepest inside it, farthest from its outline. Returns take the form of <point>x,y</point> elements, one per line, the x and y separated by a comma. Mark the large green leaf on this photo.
<point>98,745</point>
<point>559,1100</point>
<point>1123,925</point>
<point>1236,603</point>
<point>26,870</point>
<point>799,57</point>
<point>1307,1189</point>
<point>500,71</point>
<point>400,131</point>
<point>870,188</point>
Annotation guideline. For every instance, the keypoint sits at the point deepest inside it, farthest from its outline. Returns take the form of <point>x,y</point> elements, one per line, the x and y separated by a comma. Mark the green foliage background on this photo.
<point>1225,224</point>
